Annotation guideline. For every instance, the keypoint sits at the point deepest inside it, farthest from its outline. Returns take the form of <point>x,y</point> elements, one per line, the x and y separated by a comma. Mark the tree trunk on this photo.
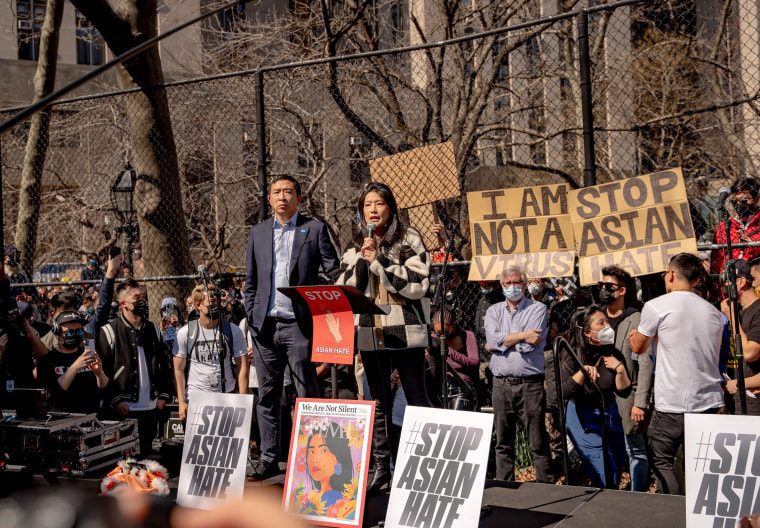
<point>37,141</point>
<point>158,198</point>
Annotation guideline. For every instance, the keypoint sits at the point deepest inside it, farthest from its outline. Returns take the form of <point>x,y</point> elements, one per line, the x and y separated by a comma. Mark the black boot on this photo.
<point>381,477</point>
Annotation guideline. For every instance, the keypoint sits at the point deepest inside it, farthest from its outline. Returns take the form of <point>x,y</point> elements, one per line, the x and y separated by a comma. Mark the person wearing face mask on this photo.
<point>208,352</point>
<point>132,352</point>
<point>747,276</point>
<point>744,226</point>
<point>616,296</point>
<point>516,334</point>
<point>538,291</point>
<point>92,271</point>
<point>72,373</point>
<point>593,385</point>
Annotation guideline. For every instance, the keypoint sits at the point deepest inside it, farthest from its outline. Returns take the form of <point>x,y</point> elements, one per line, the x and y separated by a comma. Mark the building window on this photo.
<point>30,14</point>
<point>397,22</point>
<point>91,48</point>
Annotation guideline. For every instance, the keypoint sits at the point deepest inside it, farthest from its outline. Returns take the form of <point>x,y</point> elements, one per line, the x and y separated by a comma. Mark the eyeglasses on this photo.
<point>513,283</point>
<point>74,333</point>
<point>665,273</point>
<point>609,286</point>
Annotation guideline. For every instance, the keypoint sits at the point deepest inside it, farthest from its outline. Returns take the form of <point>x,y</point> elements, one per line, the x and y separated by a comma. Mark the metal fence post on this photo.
<point>589,169</point>
<point>261,138</point>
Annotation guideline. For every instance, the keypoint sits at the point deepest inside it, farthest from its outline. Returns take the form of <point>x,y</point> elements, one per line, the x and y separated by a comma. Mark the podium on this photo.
<point>332,309</point>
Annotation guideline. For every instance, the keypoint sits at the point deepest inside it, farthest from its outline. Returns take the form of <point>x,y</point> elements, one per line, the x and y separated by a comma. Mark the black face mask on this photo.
<point>72,342</point>
<point>606,296</point>
<point>140,308</point>
<point>744,208</point>
<point>213,312</point>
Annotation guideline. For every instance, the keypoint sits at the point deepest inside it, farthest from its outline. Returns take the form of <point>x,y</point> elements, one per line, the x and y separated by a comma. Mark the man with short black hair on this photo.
<point>687,332</point>
<point>285,250</point>
<point>744,226</point>
<point>617,289</point>
<point>133,357</point>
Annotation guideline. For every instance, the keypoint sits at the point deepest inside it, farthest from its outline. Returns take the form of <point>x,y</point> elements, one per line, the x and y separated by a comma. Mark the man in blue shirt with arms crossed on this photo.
<point>516,334</point>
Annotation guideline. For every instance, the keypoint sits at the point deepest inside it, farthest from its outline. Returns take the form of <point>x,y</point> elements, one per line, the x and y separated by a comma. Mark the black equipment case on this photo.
<point>74,444</point>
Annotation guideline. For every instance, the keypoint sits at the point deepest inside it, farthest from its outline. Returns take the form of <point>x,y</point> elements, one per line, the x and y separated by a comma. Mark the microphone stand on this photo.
<point>444,347</point>
<point>729,267</point>
<point>217,331</point>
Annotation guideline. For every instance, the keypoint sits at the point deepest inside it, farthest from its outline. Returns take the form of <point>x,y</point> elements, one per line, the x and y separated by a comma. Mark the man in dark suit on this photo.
<point>286,250</point>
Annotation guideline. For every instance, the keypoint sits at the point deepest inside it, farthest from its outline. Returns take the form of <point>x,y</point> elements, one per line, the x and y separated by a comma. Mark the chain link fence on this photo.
<point>671,84</point>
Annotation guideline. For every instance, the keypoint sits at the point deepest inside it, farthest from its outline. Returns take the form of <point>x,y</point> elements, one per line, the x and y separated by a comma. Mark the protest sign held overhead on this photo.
<point>215,453</point>
<point>441,469</point>
<point>722,465</point>
<point>637,223</point>
<point>528,226</point>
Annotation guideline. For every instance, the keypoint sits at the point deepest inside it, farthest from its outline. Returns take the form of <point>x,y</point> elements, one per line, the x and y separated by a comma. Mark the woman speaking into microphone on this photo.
<point>389,263</point>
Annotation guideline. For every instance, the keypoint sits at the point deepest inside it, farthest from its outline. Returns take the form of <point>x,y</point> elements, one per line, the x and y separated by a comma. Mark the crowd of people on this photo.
<point>631,369</point>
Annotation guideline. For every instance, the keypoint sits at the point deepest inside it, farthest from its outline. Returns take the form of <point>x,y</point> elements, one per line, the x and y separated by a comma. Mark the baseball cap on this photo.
<point>742,269</point>
<point>70,316</point>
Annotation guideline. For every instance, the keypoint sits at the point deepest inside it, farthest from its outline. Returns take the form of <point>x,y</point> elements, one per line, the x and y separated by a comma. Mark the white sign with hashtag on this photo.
<point>722,465</point>
<point>441,469</point>
<point>216,448</point>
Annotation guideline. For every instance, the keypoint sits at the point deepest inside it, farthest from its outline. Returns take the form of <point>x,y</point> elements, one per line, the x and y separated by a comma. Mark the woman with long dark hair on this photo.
<point>590,386</point>
<point>391,268</point>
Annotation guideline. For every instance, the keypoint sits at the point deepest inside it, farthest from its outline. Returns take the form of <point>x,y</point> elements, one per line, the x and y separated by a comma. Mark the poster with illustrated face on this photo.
<point>326,478</point>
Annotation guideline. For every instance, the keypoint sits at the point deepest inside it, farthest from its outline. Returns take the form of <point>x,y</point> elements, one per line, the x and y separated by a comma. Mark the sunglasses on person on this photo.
<point>609,286</point>
<point>74,333</point>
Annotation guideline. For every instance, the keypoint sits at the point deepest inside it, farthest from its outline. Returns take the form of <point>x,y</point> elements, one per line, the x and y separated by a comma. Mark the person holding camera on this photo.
<point>72,373</point>
<point>208,352</point>
<point>18,342</point>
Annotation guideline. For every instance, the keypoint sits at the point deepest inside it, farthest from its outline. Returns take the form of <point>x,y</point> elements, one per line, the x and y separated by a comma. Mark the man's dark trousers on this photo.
<point>524,399</point>
<point>279,344</point>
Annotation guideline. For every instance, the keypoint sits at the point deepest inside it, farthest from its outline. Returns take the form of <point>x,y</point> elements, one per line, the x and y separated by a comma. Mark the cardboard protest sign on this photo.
<point>637,223</point>
<point>550,264</point>
<point>333,340</point>
<point>441,469</point>
<point>526,226</point>
<point>422,218</point>
<point>419,176</point>
<point>328,461</point>
<point>215,453</point>
<point>640,261</point>
<point>722,466</point>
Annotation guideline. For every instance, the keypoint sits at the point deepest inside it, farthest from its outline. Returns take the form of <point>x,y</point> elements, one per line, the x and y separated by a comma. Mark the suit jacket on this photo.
<point>312,248</point>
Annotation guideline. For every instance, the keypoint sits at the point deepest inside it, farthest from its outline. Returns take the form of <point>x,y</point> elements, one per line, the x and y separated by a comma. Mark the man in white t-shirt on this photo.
<point>203,346</point>
<point>686,331</point>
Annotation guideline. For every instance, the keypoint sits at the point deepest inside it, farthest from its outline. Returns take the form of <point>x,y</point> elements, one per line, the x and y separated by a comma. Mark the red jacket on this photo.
<point>752,229</point>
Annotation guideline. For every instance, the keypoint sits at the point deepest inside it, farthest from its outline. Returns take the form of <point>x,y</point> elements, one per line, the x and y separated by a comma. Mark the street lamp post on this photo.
<point>122,201</point>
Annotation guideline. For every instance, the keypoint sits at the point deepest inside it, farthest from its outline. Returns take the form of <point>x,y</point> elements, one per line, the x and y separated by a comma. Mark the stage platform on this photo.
<point>506,504</point>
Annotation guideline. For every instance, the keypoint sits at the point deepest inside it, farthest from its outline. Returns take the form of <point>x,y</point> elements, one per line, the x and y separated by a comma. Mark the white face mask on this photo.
<point>606,336</point>
<point>534,289</point>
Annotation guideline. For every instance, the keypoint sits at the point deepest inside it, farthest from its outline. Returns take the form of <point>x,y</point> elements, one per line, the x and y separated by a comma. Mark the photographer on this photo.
<point>17,342</point>
<point>72,374</point>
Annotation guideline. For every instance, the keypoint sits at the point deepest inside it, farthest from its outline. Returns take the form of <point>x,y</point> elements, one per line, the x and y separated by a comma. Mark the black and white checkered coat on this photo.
<point>404,272</point>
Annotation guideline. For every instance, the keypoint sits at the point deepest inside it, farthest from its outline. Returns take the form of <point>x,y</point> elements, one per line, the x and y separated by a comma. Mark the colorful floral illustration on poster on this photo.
<point>327,461</point>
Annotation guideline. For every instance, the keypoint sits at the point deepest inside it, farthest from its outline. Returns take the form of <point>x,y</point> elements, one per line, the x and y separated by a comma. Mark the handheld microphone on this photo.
<point>371,229</point>
<point>202,271</point>
<point>725,192</point>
